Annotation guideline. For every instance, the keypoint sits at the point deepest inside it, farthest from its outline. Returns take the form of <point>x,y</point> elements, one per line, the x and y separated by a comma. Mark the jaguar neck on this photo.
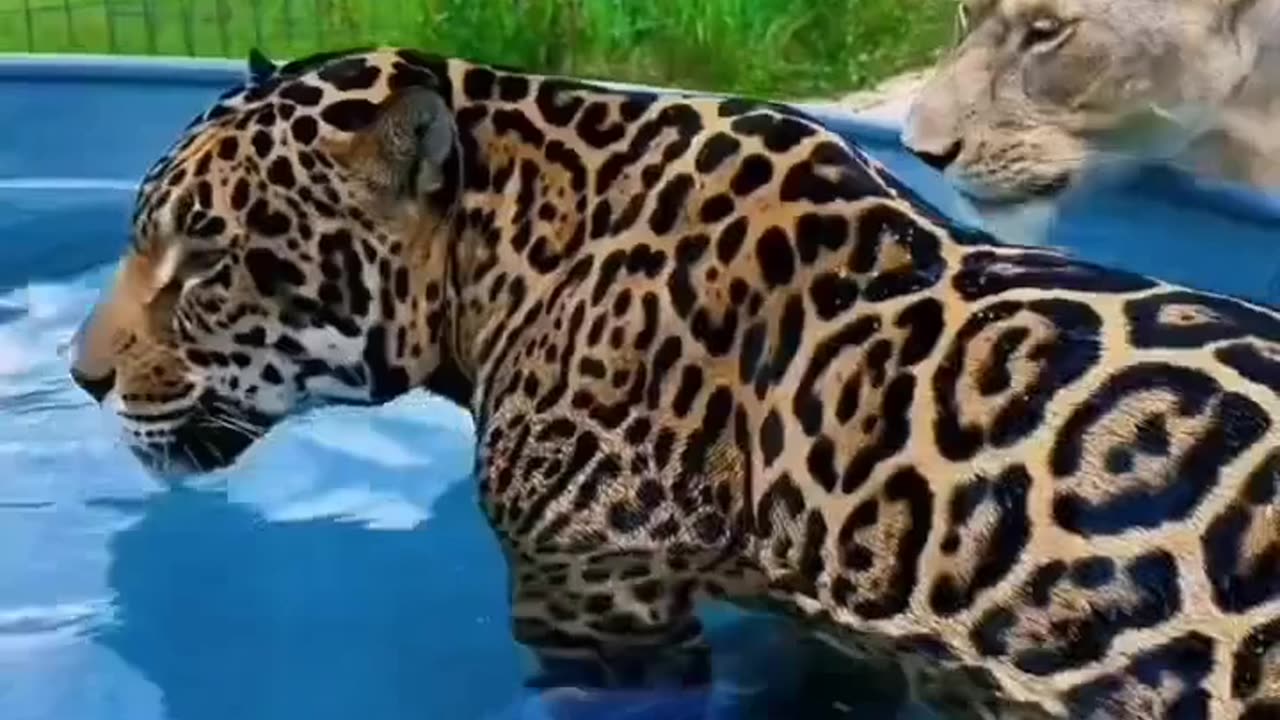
<point>521,215</point>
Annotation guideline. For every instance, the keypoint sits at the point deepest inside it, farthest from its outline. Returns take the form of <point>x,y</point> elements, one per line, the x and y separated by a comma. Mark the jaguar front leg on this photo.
<point>611,539</point>
<point>610,621</point>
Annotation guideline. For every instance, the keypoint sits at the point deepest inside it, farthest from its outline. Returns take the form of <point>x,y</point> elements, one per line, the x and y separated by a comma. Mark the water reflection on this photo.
<point>231,616</point>
<point>342,571</point>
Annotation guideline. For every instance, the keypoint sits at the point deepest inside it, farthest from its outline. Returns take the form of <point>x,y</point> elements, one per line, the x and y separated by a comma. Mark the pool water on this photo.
<point>342,569</point>
<point>344,561</point>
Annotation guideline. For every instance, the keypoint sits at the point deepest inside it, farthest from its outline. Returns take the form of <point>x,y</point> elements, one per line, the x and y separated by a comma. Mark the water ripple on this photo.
<point>33,626</point>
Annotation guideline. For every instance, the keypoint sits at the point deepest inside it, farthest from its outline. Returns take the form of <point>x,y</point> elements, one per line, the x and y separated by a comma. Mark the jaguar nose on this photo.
<point>91,367</point>
<point>97,386</point>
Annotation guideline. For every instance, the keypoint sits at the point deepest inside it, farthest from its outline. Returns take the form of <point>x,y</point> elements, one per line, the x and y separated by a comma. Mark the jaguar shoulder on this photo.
<point>713,349</point>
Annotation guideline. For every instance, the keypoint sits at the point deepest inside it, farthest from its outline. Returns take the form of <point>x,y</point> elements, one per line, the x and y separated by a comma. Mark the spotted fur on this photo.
<point>712,349</point>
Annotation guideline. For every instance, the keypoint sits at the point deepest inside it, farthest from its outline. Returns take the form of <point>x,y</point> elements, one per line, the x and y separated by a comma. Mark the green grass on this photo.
<point>777,48</point>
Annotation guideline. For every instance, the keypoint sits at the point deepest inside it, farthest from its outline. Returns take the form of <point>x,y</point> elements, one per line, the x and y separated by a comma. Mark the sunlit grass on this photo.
<point>765,47</point>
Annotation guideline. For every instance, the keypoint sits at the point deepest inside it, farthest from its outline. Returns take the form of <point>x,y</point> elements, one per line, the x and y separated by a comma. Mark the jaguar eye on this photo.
<point>1044,32</point>
<point>199,262</point>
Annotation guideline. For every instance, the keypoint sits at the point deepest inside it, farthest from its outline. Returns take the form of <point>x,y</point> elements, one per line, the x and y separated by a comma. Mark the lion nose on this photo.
<point>939,160</point>
<point>97,387</point>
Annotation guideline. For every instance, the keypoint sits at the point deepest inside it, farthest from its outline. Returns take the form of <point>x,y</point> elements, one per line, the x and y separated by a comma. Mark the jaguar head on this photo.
<point>287,253</point>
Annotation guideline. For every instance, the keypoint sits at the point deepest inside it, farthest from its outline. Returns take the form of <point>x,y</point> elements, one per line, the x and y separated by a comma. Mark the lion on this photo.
<point>1040,95</point>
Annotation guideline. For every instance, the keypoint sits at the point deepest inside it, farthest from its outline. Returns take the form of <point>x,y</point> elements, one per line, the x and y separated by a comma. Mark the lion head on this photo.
<point>1041,93</point>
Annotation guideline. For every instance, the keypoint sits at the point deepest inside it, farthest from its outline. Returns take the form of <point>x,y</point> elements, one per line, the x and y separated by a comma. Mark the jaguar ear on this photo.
<point>404,150</point>
<point>260,66</point>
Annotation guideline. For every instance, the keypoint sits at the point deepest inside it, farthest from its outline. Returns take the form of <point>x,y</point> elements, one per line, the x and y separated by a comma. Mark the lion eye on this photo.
<point>1044,32</point>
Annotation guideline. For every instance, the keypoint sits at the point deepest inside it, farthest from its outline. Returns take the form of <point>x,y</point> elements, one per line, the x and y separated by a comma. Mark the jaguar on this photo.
<point>714,351</point>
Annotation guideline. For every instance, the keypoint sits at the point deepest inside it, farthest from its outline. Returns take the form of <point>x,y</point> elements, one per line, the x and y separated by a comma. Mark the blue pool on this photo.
<point>344,571</point>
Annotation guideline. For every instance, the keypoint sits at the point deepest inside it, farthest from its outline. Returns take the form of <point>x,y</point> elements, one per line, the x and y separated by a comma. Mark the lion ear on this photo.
<point>1236,14</point>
